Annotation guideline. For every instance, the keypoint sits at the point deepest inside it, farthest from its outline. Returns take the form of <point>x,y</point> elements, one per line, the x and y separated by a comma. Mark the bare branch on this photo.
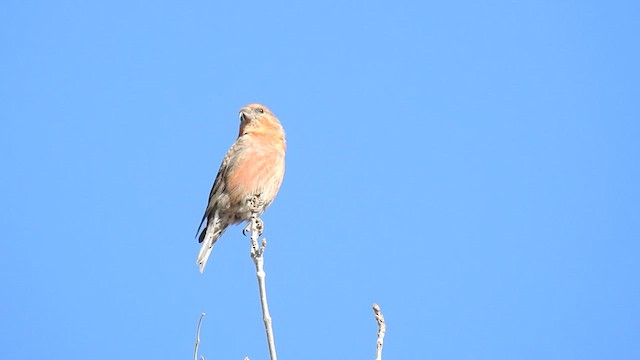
<point>382,328</point>
<point>195,352</point>
<point>257,252</point>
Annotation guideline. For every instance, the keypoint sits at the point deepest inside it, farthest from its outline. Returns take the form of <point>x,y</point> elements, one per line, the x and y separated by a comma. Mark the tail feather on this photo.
<point>211,235</point>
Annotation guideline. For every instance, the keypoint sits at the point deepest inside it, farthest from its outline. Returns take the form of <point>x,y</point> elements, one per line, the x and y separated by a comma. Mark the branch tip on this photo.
<point>195,351</point>
<point>382,328</point>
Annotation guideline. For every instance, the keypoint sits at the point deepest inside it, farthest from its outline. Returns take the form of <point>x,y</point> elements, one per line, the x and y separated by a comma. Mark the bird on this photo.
<point>252,168</point>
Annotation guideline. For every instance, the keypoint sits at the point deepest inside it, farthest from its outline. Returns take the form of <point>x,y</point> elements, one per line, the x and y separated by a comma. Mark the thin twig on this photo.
<point>257,252</point>
<point>382,328</point>
<point>195,352</point>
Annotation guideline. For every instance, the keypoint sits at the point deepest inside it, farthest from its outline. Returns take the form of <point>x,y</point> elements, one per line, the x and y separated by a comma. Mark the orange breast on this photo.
<point>259,170</point>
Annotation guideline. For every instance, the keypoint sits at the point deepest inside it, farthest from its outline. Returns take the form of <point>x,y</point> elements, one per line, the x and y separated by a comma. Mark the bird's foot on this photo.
<point>259,226</point>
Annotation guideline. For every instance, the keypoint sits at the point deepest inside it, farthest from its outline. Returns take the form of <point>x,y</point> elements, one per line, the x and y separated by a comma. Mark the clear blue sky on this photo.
<point>470,166</point>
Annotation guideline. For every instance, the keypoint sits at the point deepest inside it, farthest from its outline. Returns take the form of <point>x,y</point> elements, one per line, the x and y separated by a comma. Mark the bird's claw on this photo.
<point>259,227</point>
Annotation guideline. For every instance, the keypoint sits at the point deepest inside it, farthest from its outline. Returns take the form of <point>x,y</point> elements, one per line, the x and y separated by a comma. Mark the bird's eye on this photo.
<point>261,110</point>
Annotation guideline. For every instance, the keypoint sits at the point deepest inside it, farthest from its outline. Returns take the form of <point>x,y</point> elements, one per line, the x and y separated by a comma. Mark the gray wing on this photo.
<point>219,185</point>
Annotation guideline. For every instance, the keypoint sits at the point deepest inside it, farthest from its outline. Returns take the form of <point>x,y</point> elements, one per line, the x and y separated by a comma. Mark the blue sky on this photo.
<point>471,167</point>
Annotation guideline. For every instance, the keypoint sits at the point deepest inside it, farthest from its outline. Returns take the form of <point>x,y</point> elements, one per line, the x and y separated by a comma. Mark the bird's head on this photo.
<point>257,118</point>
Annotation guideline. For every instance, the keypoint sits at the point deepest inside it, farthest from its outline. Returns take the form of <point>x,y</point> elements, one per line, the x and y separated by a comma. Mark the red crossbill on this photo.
<point>253,166</point>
